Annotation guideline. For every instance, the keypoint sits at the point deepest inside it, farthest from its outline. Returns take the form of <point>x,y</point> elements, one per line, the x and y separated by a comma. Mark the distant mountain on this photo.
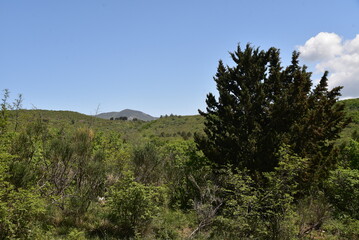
<point>130,114</point>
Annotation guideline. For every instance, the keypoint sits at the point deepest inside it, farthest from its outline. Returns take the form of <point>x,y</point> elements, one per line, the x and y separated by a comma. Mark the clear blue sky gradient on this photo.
<point>156,56</point>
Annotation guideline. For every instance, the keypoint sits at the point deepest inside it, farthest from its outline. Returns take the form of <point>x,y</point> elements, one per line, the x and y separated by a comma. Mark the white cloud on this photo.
<point>339,57</point>
<point>321,47</point>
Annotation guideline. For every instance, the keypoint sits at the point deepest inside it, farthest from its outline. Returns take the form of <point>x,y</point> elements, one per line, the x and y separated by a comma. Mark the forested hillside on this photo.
<point>270,159</point>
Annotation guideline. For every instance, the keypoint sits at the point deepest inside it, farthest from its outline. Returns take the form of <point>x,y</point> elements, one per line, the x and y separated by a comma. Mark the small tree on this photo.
<point>16,106</point>
<point>3,111</point>
<point>148,165</point>
<point>262,106</point>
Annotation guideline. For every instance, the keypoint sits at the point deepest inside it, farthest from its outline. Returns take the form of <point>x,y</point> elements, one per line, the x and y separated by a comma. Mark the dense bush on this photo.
<point>262,210</point>
<point>342,190</point>
<point>21,210</point>
<point>350,154</point>
<point>132,205</point>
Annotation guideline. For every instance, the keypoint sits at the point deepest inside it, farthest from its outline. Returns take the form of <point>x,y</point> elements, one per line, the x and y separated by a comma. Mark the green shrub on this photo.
<point>313,211</point>
<point>148,167</point>
<point>20,209</point>
<point>172,224</point>
<point>132,205</point>
<point>351,154</point>
<point>76,234</point>
<point>19,212</point>
<point>186,172</point>
<point>342,190</point>
<point>262,208</point>
<point>343,228</point>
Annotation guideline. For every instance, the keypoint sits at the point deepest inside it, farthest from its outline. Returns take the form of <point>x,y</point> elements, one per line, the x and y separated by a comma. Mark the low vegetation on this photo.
<point>260,163</point>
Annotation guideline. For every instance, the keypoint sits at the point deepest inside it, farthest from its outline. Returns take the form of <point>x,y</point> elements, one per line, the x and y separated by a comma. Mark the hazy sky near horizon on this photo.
<point>160,56</point>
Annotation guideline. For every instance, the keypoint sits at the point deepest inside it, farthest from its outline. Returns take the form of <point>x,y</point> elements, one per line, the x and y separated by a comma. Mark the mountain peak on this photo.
<point>129,113</point>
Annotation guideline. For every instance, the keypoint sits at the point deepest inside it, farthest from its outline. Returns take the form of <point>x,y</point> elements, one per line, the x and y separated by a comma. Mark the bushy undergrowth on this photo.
<point>78,183</point>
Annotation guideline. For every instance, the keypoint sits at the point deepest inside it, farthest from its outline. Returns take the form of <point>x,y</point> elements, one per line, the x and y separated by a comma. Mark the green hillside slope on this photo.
<point>167,128</point>
<point>352,108</point>
<point>172,127</point>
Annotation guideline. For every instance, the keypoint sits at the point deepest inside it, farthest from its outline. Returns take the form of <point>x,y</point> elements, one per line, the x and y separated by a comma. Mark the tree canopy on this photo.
<point>262,105</point>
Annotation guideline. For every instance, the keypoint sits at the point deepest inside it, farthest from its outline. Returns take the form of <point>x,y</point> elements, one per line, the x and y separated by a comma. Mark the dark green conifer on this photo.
<point>261,106</point>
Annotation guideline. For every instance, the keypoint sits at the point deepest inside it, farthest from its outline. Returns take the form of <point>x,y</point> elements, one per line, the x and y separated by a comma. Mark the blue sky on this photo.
<point>160,56</point>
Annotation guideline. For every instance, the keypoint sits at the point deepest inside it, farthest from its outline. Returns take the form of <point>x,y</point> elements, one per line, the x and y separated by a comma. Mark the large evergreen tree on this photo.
<point>262,106</point>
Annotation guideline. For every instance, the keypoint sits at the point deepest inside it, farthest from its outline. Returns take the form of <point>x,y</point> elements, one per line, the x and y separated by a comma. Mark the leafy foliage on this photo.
<point>342,189</point>
<point>262,211</point>
<point>133,205</point>
<point>148,167</point>
<point>20,209</point>
<point>350,154</point>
